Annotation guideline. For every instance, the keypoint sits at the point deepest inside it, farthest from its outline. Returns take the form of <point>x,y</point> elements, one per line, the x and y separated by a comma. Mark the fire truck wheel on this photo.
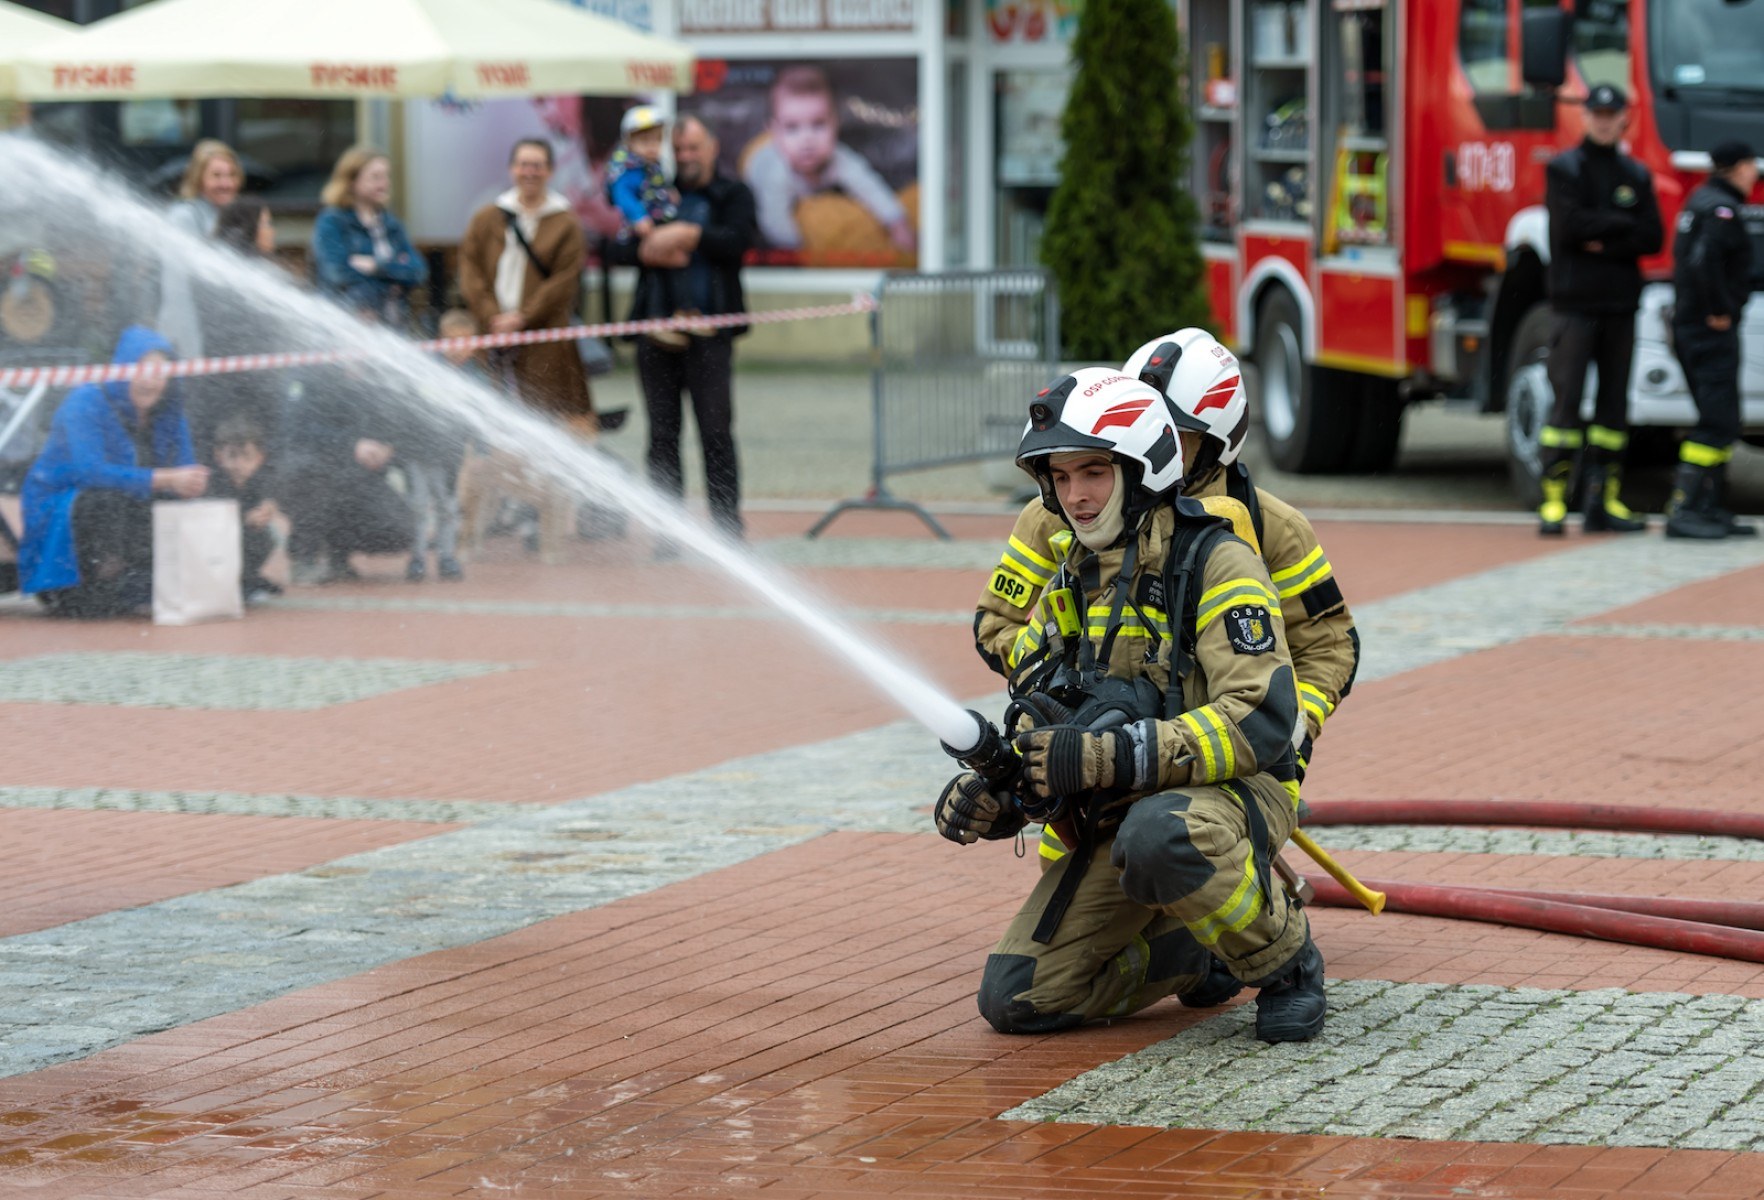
<point>1528,399</point>
<point>1308,412</point>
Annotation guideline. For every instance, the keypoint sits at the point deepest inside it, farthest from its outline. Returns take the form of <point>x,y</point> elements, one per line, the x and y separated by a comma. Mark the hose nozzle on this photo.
<point>991,757</point>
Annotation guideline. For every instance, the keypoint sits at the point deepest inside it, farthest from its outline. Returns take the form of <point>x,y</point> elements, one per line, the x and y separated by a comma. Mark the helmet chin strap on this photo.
<point>1109,524</point>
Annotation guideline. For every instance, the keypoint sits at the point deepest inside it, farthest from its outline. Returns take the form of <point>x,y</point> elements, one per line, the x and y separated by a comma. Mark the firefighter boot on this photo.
<point>1689,509</point>
<point>1291,1004</point>
<point>1604,512</point>
<point>1219,986</point>
<point>1718,505</point>
<point>1554,509</point>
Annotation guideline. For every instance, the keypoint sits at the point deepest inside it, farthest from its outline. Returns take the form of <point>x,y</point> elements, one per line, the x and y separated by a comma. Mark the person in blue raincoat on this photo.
<point>87,549</point>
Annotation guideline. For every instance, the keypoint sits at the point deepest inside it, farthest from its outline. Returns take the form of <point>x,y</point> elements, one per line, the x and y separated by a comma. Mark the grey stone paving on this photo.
<point>1603,1068</point>
<point>1451,839</point>
<point>232,681</point>
<point>1693,633</point>
<point>241,804</point>
<point>75,989</point>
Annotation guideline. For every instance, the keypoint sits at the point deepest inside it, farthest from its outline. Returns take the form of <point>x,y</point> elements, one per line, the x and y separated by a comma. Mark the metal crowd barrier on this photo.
<point>956,358</point>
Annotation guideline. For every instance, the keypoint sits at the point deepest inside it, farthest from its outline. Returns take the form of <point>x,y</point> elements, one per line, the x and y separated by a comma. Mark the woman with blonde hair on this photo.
<point>211,182</point>
<point>359,248</point>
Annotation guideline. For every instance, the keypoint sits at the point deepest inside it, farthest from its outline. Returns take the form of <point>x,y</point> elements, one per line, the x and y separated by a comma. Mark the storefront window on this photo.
<point>1028,107</point>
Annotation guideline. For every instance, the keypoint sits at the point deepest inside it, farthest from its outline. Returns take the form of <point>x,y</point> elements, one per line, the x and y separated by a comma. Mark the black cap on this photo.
<point>1606,98</point>
<point>1729,154</point>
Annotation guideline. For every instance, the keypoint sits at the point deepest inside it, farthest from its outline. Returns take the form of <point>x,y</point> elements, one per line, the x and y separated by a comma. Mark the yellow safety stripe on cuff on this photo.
<point>1292,789</point>
<point>1027,563</point>
<point>1025,645</point>
<point>1218,758</point>
<point>1315,702</point>
<point>1304,575</point>
<point>1554,437</point>
<point>1606,438</point>
<point>1233,591</point>
<point>1243,906</point>
<point>1699,455</point>
<point>1052,848</point>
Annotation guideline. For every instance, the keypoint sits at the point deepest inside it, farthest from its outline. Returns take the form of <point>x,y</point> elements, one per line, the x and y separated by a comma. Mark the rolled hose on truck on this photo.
<point>1724,928</point>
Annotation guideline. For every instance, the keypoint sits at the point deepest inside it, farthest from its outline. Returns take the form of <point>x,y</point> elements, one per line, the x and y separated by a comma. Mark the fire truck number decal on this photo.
<point>1487,166</point>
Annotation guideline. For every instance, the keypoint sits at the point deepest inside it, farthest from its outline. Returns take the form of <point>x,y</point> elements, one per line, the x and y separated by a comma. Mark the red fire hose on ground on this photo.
<point>1724,928</point>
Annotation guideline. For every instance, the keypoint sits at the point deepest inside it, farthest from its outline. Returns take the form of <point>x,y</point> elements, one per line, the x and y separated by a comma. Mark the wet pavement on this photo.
<point>594,879</point>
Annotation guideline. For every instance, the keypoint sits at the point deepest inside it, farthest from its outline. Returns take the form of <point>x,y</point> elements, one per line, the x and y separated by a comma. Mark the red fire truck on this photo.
<point>1371,175</point>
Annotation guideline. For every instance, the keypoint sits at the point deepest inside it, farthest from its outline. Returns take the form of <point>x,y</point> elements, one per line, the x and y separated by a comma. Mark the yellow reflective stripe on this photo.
<point>1302,566</point>
<point>1554,437</point>
<point>1699,455</point>
<point>1235,591</point>
<point>1311,578</point>
<point>1315,702</point>
<point>1236,913</point>
<point>1131,626</point>
<point>1222,732</point>
<point>1025,644</point>
<point>1292,789</point>
<point>1052,848</point>
<point>1209,756</point>
<point>1023,561</point>
<point>1606,438</point>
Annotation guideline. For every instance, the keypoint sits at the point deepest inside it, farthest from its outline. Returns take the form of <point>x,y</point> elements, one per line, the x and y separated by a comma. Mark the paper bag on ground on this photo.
<point>196,561</point>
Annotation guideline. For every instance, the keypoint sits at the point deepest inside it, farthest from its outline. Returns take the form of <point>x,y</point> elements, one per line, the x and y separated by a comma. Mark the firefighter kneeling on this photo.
<point>1176,798</point>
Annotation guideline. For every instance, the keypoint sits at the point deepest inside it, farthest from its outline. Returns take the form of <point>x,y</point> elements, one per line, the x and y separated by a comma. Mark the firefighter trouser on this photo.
<point>1176,885</point>
<point>1578,340</point>
<point>1711,362</point>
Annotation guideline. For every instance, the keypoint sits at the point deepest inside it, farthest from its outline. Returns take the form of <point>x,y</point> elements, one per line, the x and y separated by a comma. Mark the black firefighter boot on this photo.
<point>1218,987</point>
<point>1553,511</point>
<point>1291,1005</point>
<point>1690,509</point>
<point>1718,505</point>
<point>1604,512</point>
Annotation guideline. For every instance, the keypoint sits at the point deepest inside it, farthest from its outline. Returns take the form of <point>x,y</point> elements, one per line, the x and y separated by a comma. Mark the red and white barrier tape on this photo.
<point>69,376</point>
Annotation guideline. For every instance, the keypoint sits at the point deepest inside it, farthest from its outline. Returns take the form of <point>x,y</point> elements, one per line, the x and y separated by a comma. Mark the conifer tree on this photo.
<point>1121,236</point>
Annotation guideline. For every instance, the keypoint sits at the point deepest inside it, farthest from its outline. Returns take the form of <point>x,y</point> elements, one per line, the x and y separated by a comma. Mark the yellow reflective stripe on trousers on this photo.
<point>1606,438</point>
<point>1699,455</point>
<point>1232,591</point>
<point>1233,916</point>
<point>1554,437</point>
<point>1052,848</point>
<point>1218,759</point>
<point>1304,575</point>
<point>1018,557</point>
<point>1315,702</point>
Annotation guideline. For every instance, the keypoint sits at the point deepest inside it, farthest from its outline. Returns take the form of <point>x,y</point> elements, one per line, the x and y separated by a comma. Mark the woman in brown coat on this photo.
<point>520,268</point>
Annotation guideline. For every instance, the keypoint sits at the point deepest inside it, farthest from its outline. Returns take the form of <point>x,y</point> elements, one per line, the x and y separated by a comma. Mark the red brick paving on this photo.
<point>769,1028</point>
<point>65,865</point>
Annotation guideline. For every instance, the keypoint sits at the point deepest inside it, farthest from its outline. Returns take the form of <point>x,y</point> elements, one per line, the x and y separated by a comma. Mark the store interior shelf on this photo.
<point>1281,156</point>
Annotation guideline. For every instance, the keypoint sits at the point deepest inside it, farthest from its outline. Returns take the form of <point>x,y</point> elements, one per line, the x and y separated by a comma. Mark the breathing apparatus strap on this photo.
<point>1191,543</point>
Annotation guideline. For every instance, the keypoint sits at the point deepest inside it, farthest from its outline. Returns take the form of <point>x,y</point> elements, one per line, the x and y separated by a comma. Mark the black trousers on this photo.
<point>113,537</point>
<point>1578,340</point>
<point>704,368</point>
<point>1711,362</point>
<point>344,509</point>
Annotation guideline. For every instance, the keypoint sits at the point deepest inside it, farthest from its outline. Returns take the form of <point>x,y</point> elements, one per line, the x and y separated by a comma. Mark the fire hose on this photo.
<point>1724,928</point>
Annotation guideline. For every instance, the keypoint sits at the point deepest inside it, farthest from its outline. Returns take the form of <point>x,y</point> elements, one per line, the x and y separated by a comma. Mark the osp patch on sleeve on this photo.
<point>1249,629</point>
<point>1010,588</point>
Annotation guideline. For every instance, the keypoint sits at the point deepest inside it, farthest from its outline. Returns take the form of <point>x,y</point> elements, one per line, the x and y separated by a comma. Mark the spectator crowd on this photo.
<point>316,458</point>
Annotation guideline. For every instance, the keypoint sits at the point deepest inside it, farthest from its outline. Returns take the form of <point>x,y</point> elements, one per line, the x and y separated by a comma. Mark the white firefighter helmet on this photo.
<point>1100,408</point>
<point>1204,384</point>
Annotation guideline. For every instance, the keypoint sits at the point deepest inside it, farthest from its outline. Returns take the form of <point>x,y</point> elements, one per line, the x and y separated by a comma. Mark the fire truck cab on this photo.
<point>1371,177</point>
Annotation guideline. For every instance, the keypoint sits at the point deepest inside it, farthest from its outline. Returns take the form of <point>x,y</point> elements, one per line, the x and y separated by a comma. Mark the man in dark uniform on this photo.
<point>1604,219</point>
<point>1714,276</point>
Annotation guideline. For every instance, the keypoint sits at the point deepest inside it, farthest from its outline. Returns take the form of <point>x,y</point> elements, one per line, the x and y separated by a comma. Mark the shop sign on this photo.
<point>794,16</point>
<point>1031,22</point>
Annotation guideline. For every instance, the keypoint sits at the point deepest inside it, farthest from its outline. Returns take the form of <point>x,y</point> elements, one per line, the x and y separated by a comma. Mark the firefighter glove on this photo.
<point>967,812</point>
<point>1063,760</point>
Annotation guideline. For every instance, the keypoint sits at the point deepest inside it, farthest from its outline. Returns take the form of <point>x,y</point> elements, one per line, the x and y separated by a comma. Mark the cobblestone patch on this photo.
<point>73,990</point>
<point>1594,1068</point>
<point>232,681</point>
<point>242,804</point>
<point>623,612</point>
<point>1694,633</point>
<point>1457,839</point>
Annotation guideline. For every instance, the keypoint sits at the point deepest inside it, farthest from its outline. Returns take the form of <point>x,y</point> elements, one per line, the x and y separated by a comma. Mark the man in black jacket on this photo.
<point>1604,219</point>
<point>702,251</point>
<point>1714,276</point>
